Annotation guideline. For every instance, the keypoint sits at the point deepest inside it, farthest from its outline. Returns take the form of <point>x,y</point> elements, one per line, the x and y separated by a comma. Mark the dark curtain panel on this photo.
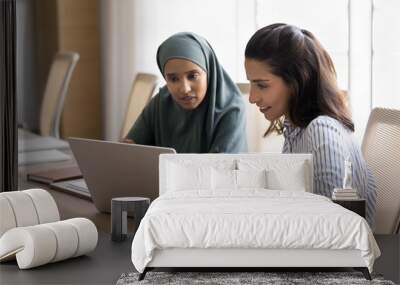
<point>8,98</point>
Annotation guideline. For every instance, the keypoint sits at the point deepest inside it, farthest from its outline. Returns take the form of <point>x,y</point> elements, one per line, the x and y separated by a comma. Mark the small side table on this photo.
<point>119,214</point>
<point>357,206</point>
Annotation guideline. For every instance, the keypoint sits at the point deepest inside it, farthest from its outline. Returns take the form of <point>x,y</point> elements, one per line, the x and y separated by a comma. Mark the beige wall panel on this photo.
<point>85,41</point>
<point>78,31</point>
<point>82,111</point>
<point>78,13</point>
<point>46,39</point>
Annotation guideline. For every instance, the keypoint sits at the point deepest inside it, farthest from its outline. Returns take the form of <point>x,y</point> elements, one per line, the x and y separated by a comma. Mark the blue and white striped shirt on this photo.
<point>331,143</point>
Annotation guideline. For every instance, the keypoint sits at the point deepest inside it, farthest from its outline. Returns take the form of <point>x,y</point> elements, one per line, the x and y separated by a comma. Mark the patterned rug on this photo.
<point>228,278</point>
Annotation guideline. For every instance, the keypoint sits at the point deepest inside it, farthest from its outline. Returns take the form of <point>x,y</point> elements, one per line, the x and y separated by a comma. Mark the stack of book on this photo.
<point>345,194</point>
<point>55,175</point>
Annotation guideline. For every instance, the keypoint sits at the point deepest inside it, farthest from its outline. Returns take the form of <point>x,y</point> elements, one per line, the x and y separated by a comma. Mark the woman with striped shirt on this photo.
<point>293,82</point>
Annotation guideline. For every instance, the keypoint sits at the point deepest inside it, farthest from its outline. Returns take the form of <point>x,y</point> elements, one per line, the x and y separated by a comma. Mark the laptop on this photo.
<point>113,169</point>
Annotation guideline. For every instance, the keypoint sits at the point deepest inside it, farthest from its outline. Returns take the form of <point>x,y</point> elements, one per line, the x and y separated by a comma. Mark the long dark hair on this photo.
<point>299,59</point>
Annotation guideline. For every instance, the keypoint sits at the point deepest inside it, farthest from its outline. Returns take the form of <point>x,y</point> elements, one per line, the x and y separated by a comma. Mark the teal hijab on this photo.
<point>216,125</point>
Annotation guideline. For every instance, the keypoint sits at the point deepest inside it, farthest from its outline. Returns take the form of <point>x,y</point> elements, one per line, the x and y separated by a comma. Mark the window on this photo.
<point>386,54</point>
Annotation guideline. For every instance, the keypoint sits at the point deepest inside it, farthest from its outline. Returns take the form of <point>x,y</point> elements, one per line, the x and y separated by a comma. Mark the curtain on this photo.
<point>8,108</point>
<point>118,68</point>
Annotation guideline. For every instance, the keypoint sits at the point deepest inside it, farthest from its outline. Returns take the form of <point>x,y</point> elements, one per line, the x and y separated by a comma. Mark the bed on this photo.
<point>247,211</point>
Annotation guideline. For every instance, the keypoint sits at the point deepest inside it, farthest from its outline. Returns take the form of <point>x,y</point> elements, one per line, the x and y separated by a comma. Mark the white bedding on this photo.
<point>251,218</point>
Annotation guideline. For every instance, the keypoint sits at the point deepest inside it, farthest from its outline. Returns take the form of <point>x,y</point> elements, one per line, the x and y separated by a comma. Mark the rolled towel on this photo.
<point>46,207</point>
<point>32,246</point>
<point>40,244</point>
<point>26,208</point>
<point>23,208</point>
<point>67,239</point>
<point>7,218</point>
<point>87,234</point>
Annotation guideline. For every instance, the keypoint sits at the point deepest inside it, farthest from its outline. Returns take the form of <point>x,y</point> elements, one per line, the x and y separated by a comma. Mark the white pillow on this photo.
<point>188,177</point>
<point>224,179</point>
<point>291,179</point>
<point>251,178</point>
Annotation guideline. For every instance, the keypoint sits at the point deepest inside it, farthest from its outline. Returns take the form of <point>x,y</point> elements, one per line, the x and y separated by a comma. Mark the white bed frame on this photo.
<point>245,258</point>
<point>234,257</point>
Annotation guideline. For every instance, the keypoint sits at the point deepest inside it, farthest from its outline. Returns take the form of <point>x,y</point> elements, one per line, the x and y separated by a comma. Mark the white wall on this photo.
<point>386,53</point>
<point>118,41</point>
<point>360,64</point>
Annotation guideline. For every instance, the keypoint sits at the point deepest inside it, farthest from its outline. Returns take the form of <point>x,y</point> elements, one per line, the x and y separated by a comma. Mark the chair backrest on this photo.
<point>55,92</point>
<point>381,150</point>
<point>142,89</point>
<point>256,125</point>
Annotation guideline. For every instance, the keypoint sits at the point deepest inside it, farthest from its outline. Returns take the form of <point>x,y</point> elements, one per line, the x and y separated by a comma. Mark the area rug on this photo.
<point>229,278</point>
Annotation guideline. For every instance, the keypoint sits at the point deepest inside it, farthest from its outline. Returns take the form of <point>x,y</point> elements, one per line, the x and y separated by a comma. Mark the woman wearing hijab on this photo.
<point>200,109</point>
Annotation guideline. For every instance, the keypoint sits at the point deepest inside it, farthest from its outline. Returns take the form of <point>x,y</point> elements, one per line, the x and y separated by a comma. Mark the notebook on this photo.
<point>55,175</point>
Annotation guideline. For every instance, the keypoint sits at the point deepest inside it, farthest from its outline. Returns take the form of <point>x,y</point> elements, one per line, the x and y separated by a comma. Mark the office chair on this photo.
<point>381,150</point>
<point>55,92</point>
<point>142,89</point>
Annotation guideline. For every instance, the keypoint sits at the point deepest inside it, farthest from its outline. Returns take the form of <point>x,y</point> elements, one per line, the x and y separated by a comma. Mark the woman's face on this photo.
<point>186,81</point>
<point>268,91</point>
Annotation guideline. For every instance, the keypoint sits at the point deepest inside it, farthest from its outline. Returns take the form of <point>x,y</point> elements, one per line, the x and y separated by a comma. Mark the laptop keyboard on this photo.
<point>77,186</point>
